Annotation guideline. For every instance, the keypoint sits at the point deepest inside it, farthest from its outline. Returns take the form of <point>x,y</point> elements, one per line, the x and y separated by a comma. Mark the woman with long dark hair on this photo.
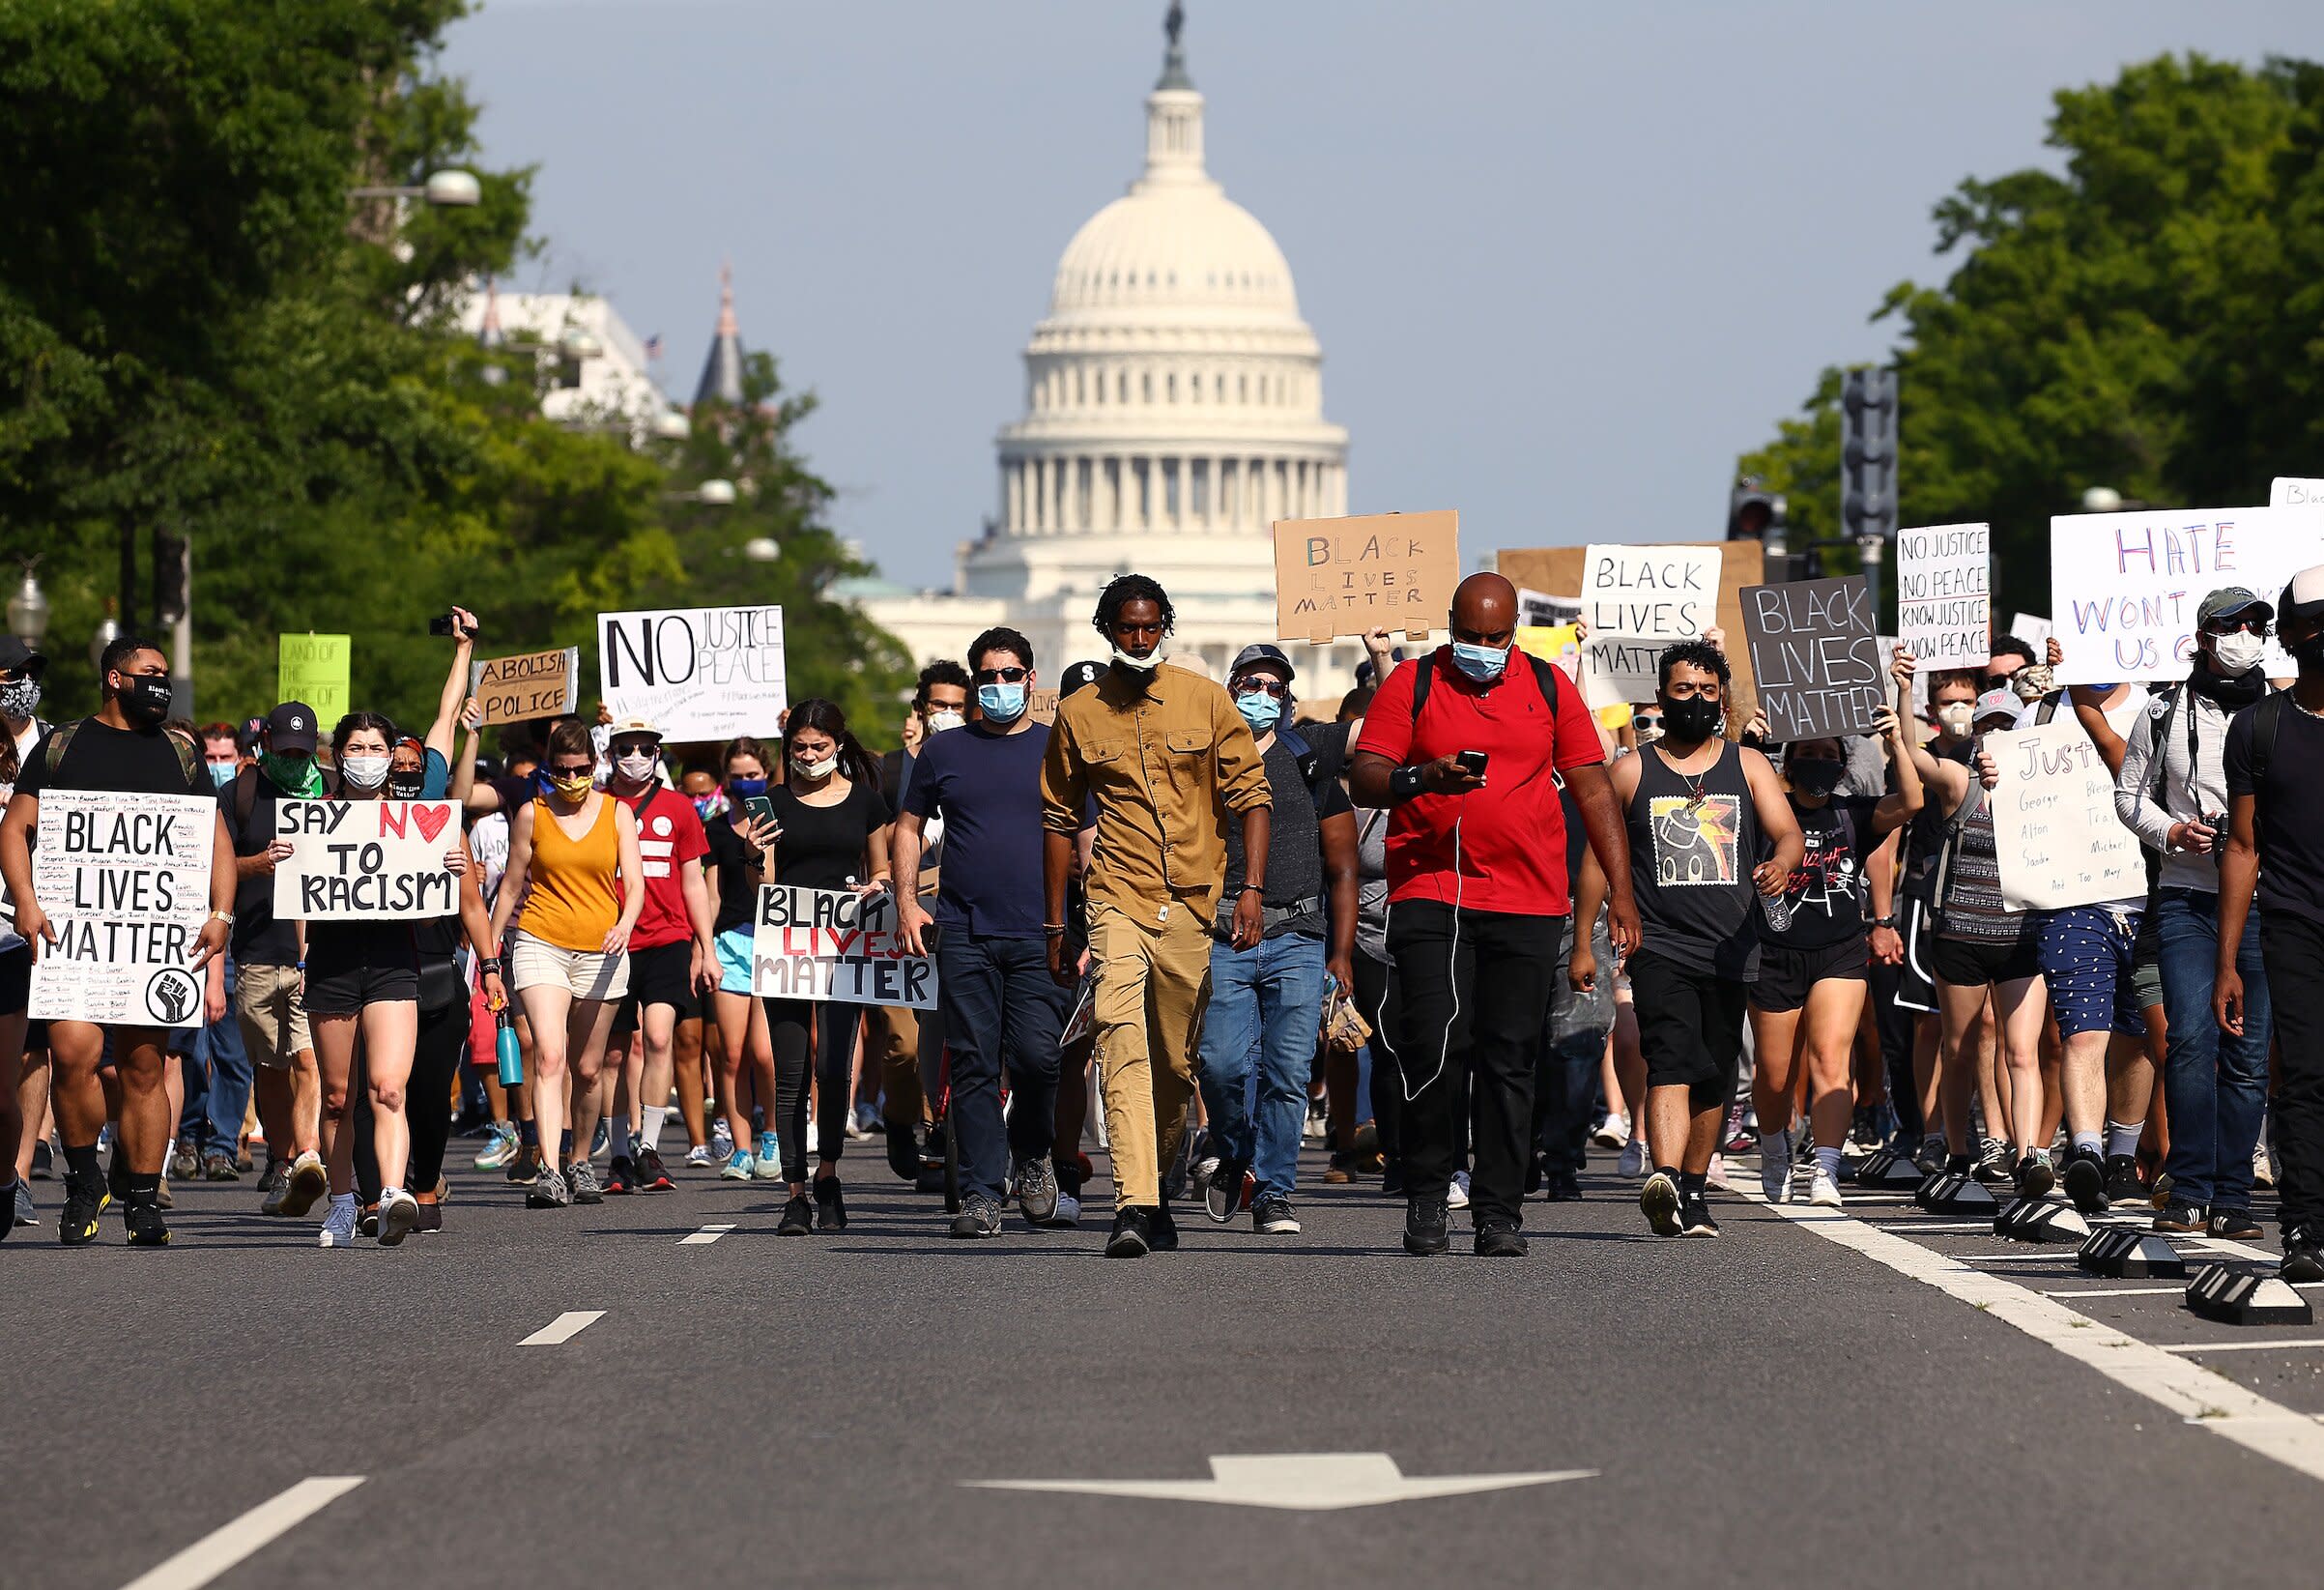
<point>736,865</point>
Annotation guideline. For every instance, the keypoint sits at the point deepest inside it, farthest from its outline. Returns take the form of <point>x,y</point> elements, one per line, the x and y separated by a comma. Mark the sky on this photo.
<point>1565,262</point>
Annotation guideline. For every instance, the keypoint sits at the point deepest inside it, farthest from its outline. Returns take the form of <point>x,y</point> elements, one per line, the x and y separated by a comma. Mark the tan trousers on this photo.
<point>1152,981</point>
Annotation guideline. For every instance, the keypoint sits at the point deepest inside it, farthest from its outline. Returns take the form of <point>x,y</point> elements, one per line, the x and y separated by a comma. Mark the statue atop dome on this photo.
<point>1174,59</point>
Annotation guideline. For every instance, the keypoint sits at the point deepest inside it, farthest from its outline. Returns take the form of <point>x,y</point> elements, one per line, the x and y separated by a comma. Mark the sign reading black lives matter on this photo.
<point>694,672</point>
<point>837,945</point>
<point>370,860</point>
<point>125,879</point>
<point>1816,657</point>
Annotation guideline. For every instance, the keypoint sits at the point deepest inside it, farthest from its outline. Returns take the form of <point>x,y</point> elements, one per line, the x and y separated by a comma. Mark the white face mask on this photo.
<point>2238,653</point>
<point>1139,665</point>
<point>636,766</point>
<point>815,770</point>
<point>1957,717</point>
<point>365,773</point>
<point>943,720</point>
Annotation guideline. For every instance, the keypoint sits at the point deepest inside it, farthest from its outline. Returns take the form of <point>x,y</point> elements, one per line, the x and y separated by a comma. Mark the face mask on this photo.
<point>2238,653</point>
<point>147,698</point>
<point>1814,775</point>
<point>221,774</point>
<point>743,789</point>
<point>708,806</point>
<point>2309,653</point>
<point>938,722</point>
<point>1483,664</point>
<point>18,699</point>
<point>1003,703</point>
<point>292,776</point>
<point>406,786</point>
<point>1140,666</point>
<point>1649,731</point>
<point>1957,716</point>
<point>2033,682</point>
<point>637,767</point>
<point>815,769</point>
<point>1690,720</point>
<point>573,787</point>
<point>366,772</point>
<point>1259,710</point>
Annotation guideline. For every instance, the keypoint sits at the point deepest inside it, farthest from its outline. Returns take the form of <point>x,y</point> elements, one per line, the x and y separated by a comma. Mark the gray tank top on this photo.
<point>1693,843</point>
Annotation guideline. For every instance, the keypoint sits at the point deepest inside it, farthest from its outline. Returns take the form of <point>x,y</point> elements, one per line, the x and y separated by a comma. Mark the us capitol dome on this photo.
<point>1173,410</point>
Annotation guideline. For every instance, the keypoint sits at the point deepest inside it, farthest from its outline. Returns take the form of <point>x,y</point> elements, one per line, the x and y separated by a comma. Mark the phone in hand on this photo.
<point>760,808</point>
<point>441,624</point>
<point>1472,763</point>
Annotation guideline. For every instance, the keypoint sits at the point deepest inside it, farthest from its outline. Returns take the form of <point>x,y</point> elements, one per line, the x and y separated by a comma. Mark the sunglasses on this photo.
<point>2230,625</point>
<point>1001,675</point>
<point>1264,685</point>
<point>574,771</point>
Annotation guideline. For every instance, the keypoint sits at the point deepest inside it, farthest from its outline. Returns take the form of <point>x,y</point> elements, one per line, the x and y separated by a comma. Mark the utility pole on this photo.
<point>173,605</point>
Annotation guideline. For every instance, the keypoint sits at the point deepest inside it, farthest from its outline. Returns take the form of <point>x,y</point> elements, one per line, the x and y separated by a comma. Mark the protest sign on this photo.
<point>2124,587</point>
<point>533,685</point>
<point>365,860</point>
<point>835,944</point>
<point>2034,631</point>
<point>694,672</point>
<point>1943,600</point>
<point>2055,834</point>
<point>1815,655</point>
<point>1041,705</point>
<point>313,669</point>
<point>1555,642</point>
<point>1546,611</point>
<point>1392,571</point>
<point>1638,600</point>
<point>125,879</point>
<point>1559,569</point>
<point>2286,491</point>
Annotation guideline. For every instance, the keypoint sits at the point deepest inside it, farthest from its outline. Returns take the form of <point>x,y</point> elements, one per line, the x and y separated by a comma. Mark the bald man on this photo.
<point>1467,749</point>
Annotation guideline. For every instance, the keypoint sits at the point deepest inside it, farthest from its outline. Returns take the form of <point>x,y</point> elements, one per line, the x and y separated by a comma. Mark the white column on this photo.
<point>1012,487</point>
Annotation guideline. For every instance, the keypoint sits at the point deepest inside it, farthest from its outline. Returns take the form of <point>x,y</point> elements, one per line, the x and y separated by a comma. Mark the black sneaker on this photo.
<point>2033,1175</point>
<point>2124,1182</point>
<point>2086,1179</point>
<point>43,1161</point>
<point>146,1227</point>
<point>2233,1226</point>
<point>1162,1228</point>
<point>431,1218</point>
<point>622,1178</point>
<point>979,1217</point>
<point>798,1217</point>
<point>526,1167</point>
<point>1499,1239</point>
<point>1694,1216</point>
<point>653,1177</point>
<point>903,1150</point>
<point>1272,1215</point>
<point>1424,1232</point>
<point>2303,1254</point>
<point>85,1202</point>
<point>1133,1234</point>
<point>1660,1201</point>
<point>830,1208</point>
<point>2186,1219</point>
<point>1391,1179</point>
<point>1563,1187</point>
<point>1222,1191</point>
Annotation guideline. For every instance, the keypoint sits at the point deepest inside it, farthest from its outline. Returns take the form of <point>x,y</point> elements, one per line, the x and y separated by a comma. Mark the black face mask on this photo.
<point>1814,775</point>
<point>146,699</point>
<point>2309,653</point>
<point>1691,720</point>
<point>405,786</point>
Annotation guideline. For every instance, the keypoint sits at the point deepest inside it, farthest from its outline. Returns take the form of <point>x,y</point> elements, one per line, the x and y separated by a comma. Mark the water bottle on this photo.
<point>511,1053</point>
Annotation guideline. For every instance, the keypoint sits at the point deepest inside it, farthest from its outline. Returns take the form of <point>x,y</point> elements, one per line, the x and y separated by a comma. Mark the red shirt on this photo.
<point>1513,832</point>
<point>670,837</point>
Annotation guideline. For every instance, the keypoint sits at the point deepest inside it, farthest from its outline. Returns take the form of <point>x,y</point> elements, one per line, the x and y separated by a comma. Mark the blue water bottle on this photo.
<point>511,1053</point>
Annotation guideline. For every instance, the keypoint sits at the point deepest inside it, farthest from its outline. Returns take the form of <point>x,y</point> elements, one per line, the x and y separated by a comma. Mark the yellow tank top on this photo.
<point>574,903</point>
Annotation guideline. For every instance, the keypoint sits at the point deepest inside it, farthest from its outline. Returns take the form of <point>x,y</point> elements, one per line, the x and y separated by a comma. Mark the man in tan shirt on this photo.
<point>1162,755</point>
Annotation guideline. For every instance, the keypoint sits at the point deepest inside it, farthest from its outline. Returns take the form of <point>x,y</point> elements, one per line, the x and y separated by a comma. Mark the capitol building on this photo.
<point>1173,410</point>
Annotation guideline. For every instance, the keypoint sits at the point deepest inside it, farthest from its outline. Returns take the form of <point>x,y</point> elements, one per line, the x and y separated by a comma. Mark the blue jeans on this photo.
<point>1001,1011</point>
<point>2215,1084</point>
<point>1265,1006</point>
<point>218,1081</point>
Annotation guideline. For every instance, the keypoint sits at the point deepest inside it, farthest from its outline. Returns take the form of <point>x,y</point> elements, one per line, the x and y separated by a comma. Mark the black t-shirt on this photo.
<point>730,858</point>
<point>1294,863</point>
<point>102,757</point>
<point>1826,890</point>
<point>822,847</point>
<point>258,940</point>
<point>2291,841</point>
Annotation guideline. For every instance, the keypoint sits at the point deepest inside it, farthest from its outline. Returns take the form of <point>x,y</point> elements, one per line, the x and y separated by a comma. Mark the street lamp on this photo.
<point>106,634</point>
<point>711,493</point>
<point>445,189</point>
<point>2102,500</point>
<point>671,426</point>
<point>28,611</point>
<point>762,549</point>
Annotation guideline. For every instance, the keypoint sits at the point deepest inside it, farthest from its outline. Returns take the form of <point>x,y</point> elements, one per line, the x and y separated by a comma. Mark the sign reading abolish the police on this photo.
<point>364,859</point>
<point>1815,655</point>
<point>2056,837</point>
<point>535,684</point>
<point>1375,571</point>
<point>125,879</point>
<point>835,944</point>
<point>1640,599</point>
<point>694,672</point>
<point>1943,607</point>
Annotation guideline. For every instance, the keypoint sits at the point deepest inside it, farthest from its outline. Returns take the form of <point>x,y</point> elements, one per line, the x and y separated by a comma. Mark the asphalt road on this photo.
<point>1754,1411</point>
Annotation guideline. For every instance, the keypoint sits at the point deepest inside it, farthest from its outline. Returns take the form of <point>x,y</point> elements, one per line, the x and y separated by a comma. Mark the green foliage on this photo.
<point>2150,320</point>
<point>200,333</point>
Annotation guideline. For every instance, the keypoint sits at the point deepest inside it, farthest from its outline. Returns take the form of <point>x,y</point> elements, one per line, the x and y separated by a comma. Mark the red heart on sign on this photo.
<point>431,819</point>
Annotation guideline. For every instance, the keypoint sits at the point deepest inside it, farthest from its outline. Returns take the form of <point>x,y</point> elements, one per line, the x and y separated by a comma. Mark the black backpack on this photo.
<point>1545,675</point>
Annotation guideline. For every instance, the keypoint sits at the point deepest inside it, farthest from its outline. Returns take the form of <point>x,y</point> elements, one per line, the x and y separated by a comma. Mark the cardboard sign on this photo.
<point>365,860</point>
<point>1816,657</point>
<point>1546,611</point>
<point>2055,834</point>
<point>2034,631</point>
<point>1392,572</point>
<point>125,879</point>
<point>2124,587</point>
<point>833,944</point>
<point>1943,594</point>
<point>1042,706</point>
<point>1559,569</point>
<point>1638,600</point>
<point>533,685</point>
<point>694,672</point>
<point>2287,491</point>
<point>313,669</point>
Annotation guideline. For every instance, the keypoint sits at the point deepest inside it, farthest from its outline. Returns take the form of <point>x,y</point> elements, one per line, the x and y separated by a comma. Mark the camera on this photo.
<point>2217,822</point>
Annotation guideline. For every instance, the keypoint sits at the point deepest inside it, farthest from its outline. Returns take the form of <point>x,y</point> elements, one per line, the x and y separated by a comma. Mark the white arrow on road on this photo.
<point>1299,1482</point>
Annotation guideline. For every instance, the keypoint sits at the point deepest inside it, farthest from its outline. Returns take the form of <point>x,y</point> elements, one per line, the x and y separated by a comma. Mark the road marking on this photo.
<point>2244,1347</point>
<point>1297,1482</point>
<point>2189,1390</point>
<point>2011,1258</point>
<point>564,1329</point>
<point>2115,1291</point>
<point>229,1544</point>
<point>707,1234</point>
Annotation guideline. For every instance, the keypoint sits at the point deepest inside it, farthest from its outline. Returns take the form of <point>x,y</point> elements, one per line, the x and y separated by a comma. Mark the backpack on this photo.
<point>187,761</point>
<point>1545,675</point>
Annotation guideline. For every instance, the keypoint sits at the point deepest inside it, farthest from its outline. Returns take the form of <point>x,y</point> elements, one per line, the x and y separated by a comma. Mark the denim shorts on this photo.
<point>735,961</point>
<point>2087,955</point>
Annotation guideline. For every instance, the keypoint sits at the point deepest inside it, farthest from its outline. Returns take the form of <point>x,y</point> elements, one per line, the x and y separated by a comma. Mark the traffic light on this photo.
<point>1868,454</point>
<point>171,577</point>
<point>1754,514</point>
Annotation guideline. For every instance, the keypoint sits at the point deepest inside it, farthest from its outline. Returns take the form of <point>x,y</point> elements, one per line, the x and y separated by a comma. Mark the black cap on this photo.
<point>1259,651</point>
<point>291,727</point>
<point>16,655</point>
<point>1078,674</point>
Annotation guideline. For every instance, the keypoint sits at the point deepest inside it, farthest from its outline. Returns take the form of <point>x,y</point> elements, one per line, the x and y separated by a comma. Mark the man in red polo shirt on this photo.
<point>1477,885</point>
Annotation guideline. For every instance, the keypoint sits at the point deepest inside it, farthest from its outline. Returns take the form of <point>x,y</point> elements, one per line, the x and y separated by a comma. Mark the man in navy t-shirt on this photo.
<point>1000,1004</point>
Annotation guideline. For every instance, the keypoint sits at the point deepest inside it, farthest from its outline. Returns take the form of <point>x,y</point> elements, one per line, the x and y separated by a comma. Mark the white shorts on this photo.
<point>584,974</point>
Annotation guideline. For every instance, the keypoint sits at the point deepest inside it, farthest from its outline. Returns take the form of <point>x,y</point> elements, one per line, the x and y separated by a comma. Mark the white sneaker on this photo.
<point>1633,1162</point>
<point>1824,1192</point>
<point>2263,1165</point>
<point>1775,1165</point>
<point>698,1157</point>
<point>1717,1176</point>
<point>722,1144</point>
<point>338,1225</point>
<point>1456,1195</point>
<point>398,1214</point>
<point>1069,1211</point>
<point>1614,1132</point>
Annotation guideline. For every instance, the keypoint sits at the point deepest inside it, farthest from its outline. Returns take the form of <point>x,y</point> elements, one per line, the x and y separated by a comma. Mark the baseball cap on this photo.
<point>1260,651</point>
<point>632,726</point>
<point>1078,674</point>
<point>2229,598</point>
<point>1997,703</point>
<point>2303,596</point>
<point>15,656</point>
<point>291,727</point>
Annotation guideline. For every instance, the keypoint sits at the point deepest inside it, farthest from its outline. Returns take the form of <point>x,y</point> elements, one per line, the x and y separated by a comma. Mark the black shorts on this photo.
<point>1786,974</point>
<point>1977,963</point>
<point>1690,1027</point>
<point>347,970</point>
<point>662,975</point>
<point>15,980</point>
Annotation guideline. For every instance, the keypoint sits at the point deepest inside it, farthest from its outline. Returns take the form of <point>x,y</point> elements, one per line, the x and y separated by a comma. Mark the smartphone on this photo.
<point>1472,762</point>
<point>440,626</point>
<point>759,808</point>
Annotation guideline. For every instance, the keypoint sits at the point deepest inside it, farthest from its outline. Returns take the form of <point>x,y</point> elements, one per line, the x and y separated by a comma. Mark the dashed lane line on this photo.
<point>564,1329</point>
<point>703,1237</point>
<point>2244,1347</point>
<point>230,1543</point>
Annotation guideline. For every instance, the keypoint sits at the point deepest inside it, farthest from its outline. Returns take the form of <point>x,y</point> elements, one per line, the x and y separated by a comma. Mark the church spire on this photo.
<point>722,371</point>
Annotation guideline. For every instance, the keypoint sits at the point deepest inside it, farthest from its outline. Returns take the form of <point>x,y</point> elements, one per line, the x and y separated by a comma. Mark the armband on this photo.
<point>1404,784</point>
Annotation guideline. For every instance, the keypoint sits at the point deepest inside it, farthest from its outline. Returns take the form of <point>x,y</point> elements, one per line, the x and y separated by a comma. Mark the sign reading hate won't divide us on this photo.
<point>125,880</point>
<point>694,672</point>
<point>2124,588</point>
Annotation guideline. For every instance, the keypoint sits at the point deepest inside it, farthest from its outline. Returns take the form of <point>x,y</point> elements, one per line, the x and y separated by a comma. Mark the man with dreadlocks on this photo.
<point>1162,755</point>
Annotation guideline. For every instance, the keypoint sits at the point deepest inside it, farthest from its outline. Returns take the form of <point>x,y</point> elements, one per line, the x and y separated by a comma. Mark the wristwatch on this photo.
<point>1404,784</point>
<point>1883,922</point>
<point>225,916</point>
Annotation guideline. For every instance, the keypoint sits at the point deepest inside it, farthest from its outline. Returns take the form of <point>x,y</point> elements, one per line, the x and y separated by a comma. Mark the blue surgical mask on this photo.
<point>1002,702</point>
<point>1259,710</point>
<point>1481,663</point>
<point>221,774</point>
<point>742,789</point>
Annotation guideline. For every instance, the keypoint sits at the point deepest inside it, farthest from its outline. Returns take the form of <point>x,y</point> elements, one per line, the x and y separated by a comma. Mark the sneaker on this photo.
<point>1824,1192</point>
<point>739,1166</point>
<point>581,1183</point>
<point>1562,1186</point>
<point>1271,1215</point>
<point>1716,1176</point>
<point>219,1166</point>
<point>722,1142</point>
<point>1613,1133</point>
<point>2125,1184</point>
<point>367,1223</point>
<point>431,1218</point>
<point>548,1191</point>
<point>1392,1178</point>
<point>798,1217</point>
<point>1931,1156</point>
<point>308,1182</point>
<point>1864,1129</point>
<point>653,1177</point>
<point>700,1157</point>
<point>1036,1189</point>
<point>398,1217</point>
<point>903,1150</point>
<point>1775,1165</point>
<point>979,1217</point>
<point>273,1186</point>
<point>2033,1175</point>
<point>619,1179</point>
<point>2086,1180</point>
<point>1993,1162</point>
<point>1741,1138</point>
<point>2263,1165</point>
<point>1223,1191</point>
<point>23,1213</point>
<point>1133,1235</point>
<point>770,1158</point>
<point>2303,1254</point>
<point>1694,1217</point>
<point>500,1147</point>
<point>2233,1226</point>
<point>185,1160</point>
<point>43,1162</point>
<point>863,1122</point>
<point>1425,1221</point>
<point>1456,1195</point>
<point>1067,1214</point>
<point>830,1207</point>
<point>598,1140</point>
<point>1499,1239</point>
<point>1339,1169</point>
<point>1165,1229</point>
<point>525,1168</point>
<point>1633,1161</point>
<point>2184,1219</point>
<point>164,1197</point>
<point>1659,1201</point>
<point>338,1224</point>
<point>85,1202</point>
